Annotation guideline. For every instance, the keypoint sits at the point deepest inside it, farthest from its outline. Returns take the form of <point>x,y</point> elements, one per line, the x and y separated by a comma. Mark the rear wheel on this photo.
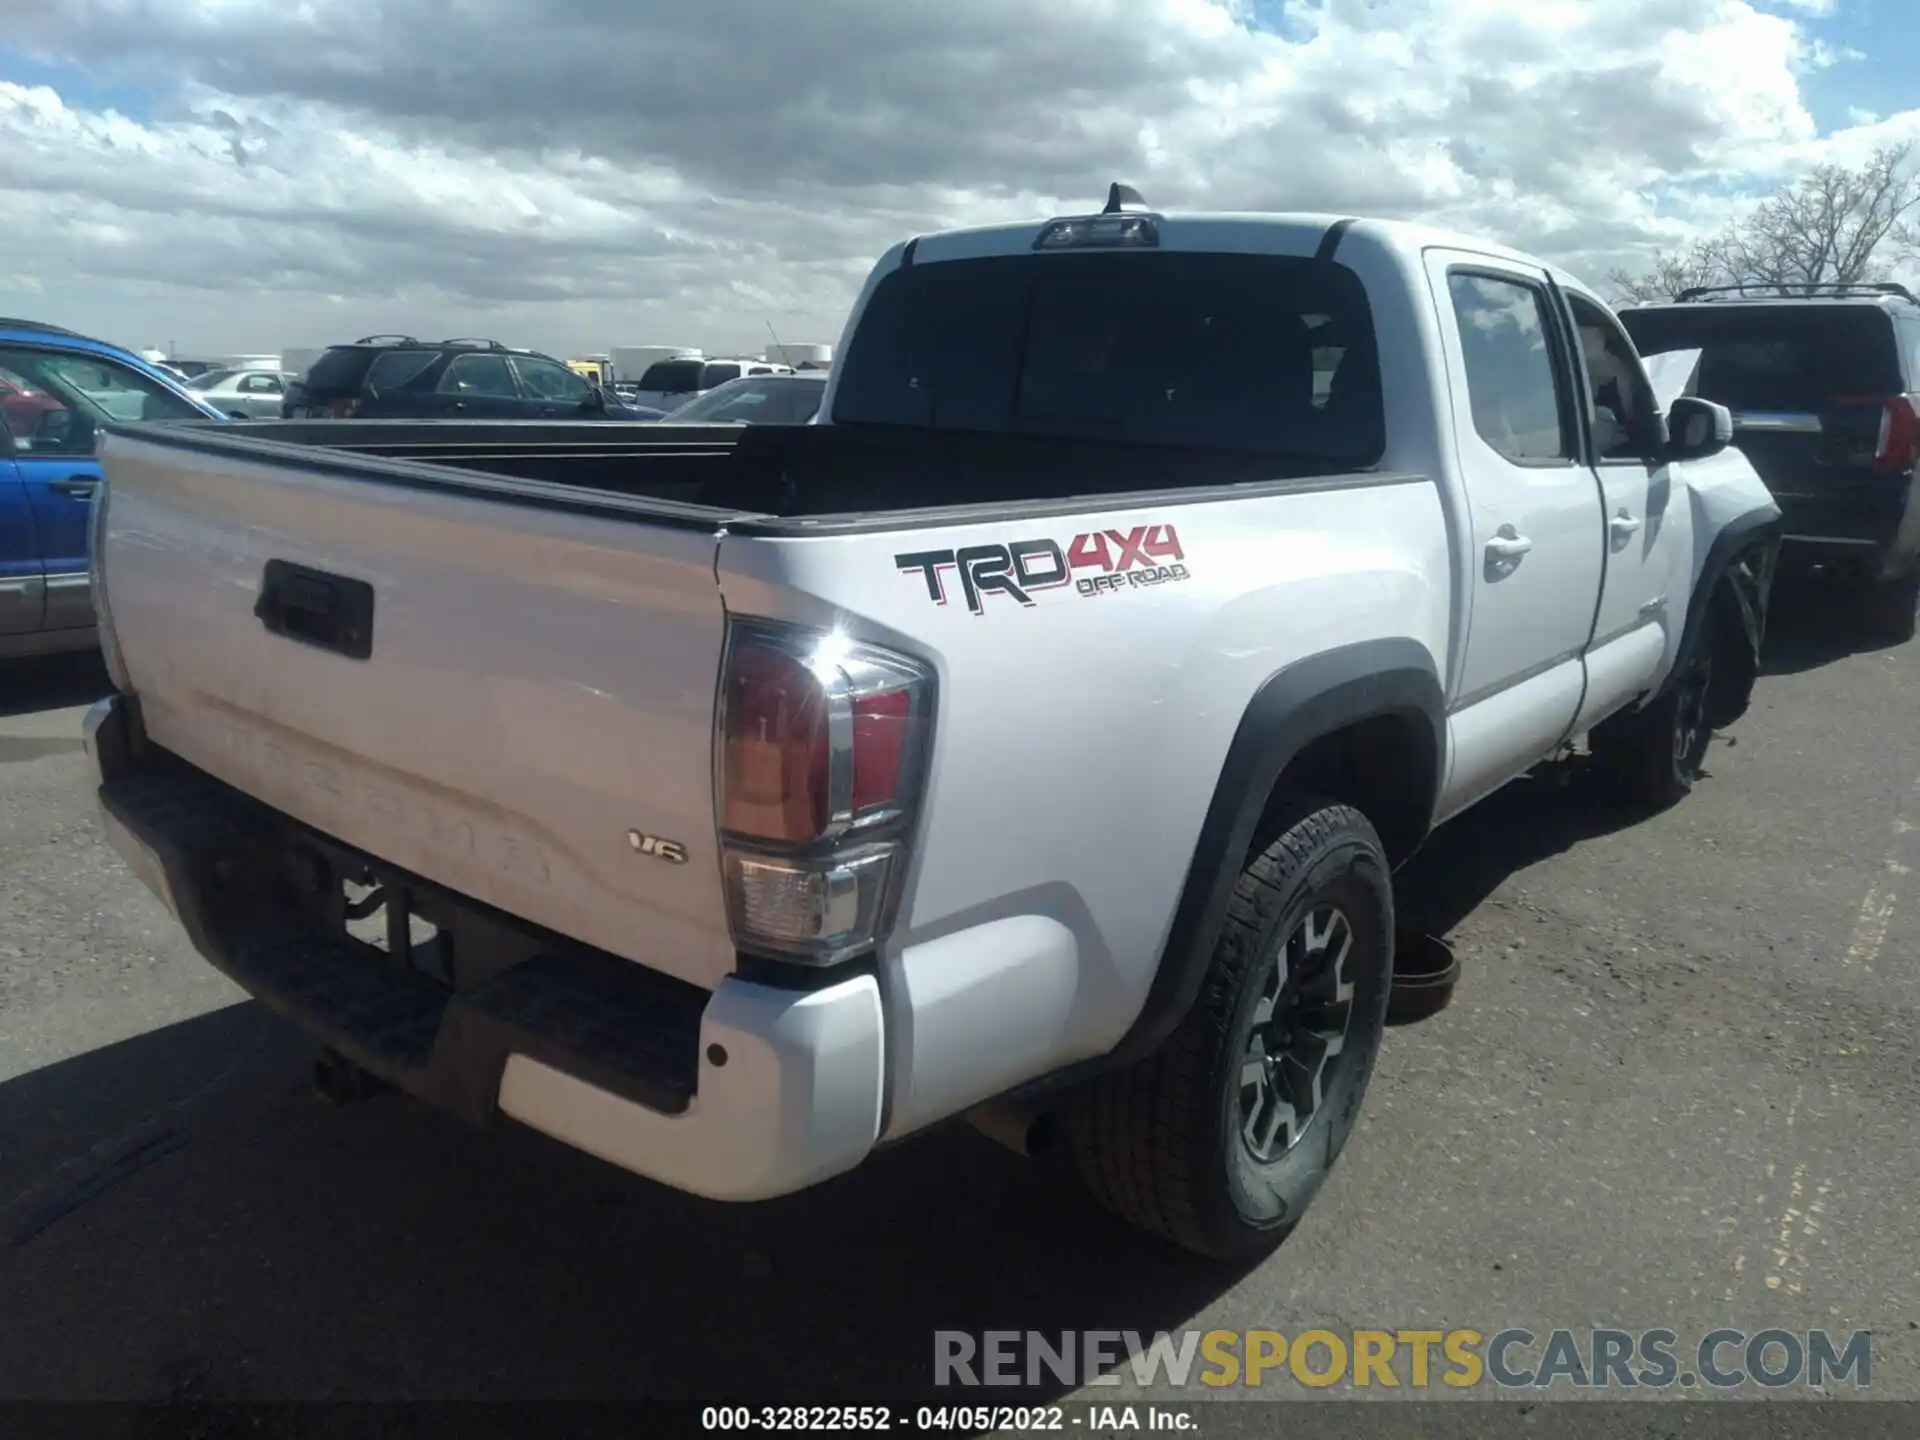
<point>1893,607</point>
<point>1221,1139</point>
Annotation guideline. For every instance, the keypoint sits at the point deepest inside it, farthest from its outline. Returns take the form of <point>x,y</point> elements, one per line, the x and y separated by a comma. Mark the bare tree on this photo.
<point>1702,263</point>
<point>1833,225</point>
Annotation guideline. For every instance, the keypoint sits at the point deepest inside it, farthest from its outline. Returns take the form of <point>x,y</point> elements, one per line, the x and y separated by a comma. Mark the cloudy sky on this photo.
<point>574,174</point>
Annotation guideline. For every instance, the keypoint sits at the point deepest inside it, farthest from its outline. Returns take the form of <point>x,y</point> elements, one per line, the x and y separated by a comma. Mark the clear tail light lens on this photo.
<point>822,746</point>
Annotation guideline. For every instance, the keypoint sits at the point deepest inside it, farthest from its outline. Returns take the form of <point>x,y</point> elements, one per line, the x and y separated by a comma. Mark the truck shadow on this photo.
<point>1531,820</point>
<point>1810,623</point>
<point>52,682</point>
<point>225,1236</point>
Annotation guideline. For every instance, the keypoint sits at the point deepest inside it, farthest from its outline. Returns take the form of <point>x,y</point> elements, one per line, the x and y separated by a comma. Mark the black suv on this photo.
<point>1822,389</point>
<point>396,377</point>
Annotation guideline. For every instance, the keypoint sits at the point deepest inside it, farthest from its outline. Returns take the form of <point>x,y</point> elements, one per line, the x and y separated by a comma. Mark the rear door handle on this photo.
<point>75,485</point>
<point>1508,546</point>
<point>1624,525</point>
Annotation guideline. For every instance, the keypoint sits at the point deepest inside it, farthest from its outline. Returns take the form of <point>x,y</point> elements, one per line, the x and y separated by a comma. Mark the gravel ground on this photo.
<point>1676,1089</point>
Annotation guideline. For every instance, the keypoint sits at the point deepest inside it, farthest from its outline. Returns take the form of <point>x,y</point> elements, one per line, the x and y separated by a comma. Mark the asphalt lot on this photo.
<point>1677,1088</point>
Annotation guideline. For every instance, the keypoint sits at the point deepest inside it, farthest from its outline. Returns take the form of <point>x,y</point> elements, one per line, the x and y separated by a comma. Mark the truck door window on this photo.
<point>1513,388</point>
<point>1194,350</point>
<point>1620,407</point>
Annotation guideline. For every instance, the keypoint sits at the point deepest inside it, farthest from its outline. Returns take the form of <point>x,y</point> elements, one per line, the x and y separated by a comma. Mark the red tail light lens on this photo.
<point>775,748</point>
<point>817,734</point>
<point>1899,435</point>
<point>342,409</point>
<point>881,723</point>
<point>1897,447</point>
<point>821,747</point>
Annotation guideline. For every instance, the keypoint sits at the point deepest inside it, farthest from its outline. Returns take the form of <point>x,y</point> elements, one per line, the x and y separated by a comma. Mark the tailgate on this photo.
<point>537,685</point>
<point>1820,467</point>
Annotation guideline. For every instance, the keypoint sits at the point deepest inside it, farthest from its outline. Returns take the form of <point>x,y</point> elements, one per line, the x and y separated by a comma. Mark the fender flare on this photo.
<point>1758,530</point>
<point>1305,702</point>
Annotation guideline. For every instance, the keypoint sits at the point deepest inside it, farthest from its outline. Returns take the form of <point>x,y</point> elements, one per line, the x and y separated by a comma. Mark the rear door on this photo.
<point>259,394</point>
<point>1534,517</point>
<point>550,388</point>
<point>476,387</point>
<point>395,384</point>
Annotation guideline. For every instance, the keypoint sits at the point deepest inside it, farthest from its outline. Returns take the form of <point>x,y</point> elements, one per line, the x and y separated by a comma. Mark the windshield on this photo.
<point>210,379</point>
<point>756,400</point>
<point>1231,352</point>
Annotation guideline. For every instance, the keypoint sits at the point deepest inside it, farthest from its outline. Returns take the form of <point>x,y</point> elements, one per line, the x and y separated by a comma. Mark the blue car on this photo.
<point>56,391</point>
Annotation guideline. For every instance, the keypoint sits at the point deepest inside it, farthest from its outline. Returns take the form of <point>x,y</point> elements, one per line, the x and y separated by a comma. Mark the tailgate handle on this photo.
<point>329,612</point>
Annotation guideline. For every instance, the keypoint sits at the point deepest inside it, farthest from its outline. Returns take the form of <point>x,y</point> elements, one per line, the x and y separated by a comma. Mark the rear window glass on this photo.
<point>1777,357</point>
<point>672,376</point>
<point>396,368</point>
<point>1255,353</point>
<point>338,370</point>
<point>1910,351</point>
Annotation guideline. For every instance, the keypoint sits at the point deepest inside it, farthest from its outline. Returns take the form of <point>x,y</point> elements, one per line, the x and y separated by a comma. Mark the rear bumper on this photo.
<point>1872,527</point>
<point>746,1092</point>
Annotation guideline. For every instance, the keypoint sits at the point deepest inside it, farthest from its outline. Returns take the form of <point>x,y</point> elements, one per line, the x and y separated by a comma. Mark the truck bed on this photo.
<point>707,474</point>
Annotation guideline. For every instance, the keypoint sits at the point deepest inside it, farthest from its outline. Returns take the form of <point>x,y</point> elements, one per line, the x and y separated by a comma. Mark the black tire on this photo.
<point>1892,609</point>
<point>1658,752</point>
<point>1161,1144</point>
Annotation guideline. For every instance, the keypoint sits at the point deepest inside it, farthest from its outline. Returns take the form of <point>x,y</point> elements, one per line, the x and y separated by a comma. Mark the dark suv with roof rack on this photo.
<point>396,377</point>
<point>1822,389</point>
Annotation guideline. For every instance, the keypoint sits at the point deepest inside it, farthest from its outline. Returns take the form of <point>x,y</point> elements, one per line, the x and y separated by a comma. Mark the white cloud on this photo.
<point>575,175</point>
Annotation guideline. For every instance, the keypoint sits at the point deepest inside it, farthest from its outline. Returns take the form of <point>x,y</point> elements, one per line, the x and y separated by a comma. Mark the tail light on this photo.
<point>1897,448</point>
<point>822,747</point>
<point>344,407</point>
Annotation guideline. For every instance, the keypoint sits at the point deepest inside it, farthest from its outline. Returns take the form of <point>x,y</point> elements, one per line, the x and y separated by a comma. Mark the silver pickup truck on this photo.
<point>1032,740</point>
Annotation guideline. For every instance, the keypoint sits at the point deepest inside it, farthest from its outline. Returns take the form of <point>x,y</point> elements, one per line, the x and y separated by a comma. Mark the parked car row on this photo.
<point>245,394</point>
<point>57,389</point>
<point>398,377</point>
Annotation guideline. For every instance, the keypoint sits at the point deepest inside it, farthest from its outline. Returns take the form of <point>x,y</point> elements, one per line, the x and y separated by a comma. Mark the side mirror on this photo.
<point>1697,428</point>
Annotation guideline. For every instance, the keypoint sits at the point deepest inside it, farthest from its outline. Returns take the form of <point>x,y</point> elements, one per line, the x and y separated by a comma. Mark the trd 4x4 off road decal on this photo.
<point>1021,569</point>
